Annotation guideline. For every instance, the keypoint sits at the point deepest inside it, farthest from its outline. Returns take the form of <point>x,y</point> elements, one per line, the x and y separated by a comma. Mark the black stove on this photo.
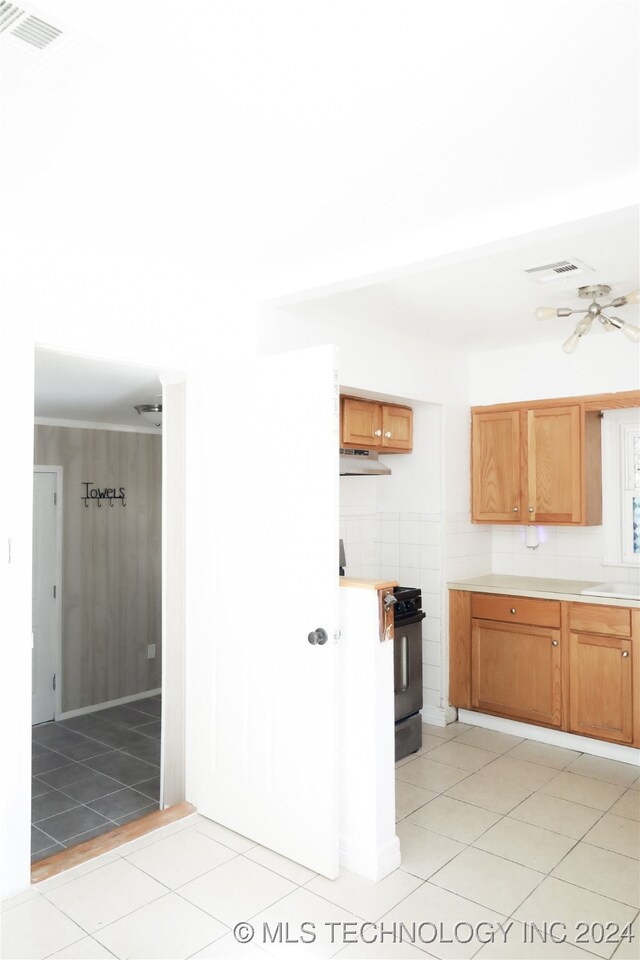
<point>407,669</point>
<point>408,602</point>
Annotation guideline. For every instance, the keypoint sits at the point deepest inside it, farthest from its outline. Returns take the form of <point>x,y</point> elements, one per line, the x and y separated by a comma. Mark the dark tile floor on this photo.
<point>92,773</point>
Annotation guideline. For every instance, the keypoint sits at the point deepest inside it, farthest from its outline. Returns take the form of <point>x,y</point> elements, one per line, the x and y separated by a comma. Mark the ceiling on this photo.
<point>246,137</point>
<point>214,146</point>
<point>79,388</point>
<point>485,300</point>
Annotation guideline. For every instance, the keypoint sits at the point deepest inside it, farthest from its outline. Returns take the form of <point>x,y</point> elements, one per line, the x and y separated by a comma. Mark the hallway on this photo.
<point>93,773</point>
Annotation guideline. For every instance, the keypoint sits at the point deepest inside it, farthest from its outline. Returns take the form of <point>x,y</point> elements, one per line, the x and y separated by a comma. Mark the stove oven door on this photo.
<point>407,666</point>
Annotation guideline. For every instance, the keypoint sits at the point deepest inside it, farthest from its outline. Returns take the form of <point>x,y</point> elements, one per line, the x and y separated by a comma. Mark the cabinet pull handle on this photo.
<point>554,643</point>
<point>513,610</point>
<point>625,653</point>
<point>377,433</point>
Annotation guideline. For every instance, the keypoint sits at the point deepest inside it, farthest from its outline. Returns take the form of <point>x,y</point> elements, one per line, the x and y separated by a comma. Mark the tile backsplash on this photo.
<point>568,553</point>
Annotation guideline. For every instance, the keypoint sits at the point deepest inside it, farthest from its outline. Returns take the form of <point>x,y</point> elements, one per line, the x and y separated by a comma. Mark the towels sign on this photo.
<point>99,494</point>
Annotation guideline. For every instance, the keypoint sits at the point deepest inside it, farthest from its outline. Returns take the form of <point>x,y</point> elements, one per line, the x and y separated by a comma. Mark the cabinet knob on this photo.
<point>625,653</point>
<point>513,610</point>
<point>530,509</point>
<point>554,643</point>
<point>387,434</point>
<point>377,433</point>
<point>515,509</point>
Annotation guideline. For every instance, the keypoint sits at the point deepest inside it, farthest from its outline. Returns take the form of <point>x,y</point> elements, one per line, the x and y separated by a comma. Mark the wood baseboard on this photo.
<point>108,841</point>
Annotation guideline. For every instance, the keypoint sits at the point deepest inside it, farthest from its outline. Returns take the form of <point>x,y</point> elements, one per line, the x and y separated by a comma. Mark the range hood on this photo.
<point>361,463</point>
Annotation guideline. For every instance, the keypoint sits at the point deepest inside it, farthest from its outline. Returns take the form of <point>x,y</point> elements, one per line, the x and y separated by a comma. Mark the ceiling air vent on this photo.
<point>557,270</point>
<point>9,13</point>
<point>25,28</point>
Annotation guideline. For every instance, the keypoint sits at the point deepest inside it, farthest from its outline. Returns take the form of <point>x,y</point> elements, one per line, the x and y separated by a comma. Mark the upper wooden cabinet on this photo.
<point>370,425</point>
<point>536,463</point>
<point>495,466</point>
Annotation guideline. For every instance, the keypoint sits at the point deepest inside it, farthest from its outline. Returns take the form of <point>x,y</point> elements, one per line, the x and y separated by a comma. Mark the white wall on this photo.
<point>16,395</point>
<point>602,363</point>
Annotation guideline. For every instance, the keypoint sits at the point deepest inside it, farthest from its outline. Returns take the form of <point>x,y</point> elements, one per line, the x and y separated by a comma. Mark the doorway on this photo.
<point>96,759</point>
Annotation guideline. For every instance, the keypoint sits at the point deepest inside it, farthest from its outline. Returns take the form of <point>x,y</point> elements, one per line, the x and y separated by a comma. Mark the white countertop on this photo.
<point>539,587</point>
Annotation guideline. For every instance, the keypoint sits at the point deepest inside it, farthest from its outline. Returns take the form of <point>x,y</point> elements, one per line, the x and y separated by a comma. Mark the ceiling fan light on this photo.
<point>631,333</point>
<point>546,313</point>
<point>581,329</point>
<point>569,346</point>
<point>583,326</point>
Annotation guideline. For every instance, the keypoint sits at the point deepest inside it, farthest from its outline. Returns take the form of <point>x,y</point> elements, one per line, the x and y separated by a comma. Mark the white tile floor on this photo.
<point>497,833</point>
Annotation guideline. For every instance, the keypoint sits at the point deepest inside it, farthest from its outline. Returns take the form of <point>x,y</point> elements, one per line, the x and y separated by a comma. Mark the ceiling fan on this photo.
<point>594,311</point>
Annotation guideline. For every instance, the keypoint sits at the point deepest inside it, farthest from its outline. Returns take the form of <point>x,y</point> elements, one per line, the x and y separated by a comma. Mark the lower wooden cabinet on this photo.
<point>601,666</point>
<point>515,671</point>
<point>601,687</point>
<point>571,666</point>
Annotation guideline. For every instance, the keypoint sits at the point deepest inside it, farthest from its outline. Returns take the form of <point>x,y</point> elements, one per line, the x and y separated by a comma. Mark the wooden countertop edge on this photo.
<point>75,856</point>
<point>362,583</point>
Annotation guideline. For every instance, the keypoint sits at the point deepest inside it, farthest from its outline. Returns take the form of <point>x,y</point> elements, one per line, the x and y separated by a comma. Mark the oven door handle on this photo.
<point>404,663</point>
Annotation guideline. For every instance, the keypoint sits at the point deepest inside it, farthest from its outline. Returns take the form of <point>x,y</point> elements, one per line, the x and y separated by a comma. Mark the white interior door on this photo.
<point>45,599</point>
<point>267,749</point>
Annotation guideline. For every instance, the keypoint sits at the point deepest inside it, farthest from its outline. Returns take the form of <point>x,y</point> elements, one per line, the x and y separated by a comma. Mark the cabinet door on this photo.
<point>495,467</point>
<point>600,687</point>
<point>516,671</point>
<point>397,427</point>
<point>554,471</point>
<point>361,423</point>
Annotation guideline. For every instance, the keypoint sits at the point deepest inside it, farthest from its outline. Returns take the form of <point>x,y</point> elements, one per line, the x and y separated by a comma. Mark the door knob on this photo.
<point>318,636</point>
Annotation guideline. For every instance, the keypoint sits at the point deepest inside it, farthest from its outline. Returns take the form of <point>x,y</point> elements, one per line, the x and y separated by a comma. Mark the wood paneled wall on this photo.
<point>111,589</point>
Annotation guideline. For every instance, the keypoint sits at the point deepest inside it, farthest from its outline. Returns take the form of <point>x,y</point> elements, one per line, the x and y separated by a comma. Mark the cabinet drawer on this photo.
<point>541,613</point>
<point>592,618</point>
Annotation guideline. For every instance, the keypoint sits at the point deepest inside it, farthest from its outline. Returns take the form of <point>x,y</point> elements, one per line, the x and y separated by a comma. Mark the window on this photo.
<point>621,486</point>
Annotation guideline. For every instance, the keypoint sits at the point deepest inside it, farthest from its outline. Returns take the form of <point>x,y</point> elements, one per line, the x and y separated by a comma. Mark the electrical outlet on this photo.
<point>151,651</point>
